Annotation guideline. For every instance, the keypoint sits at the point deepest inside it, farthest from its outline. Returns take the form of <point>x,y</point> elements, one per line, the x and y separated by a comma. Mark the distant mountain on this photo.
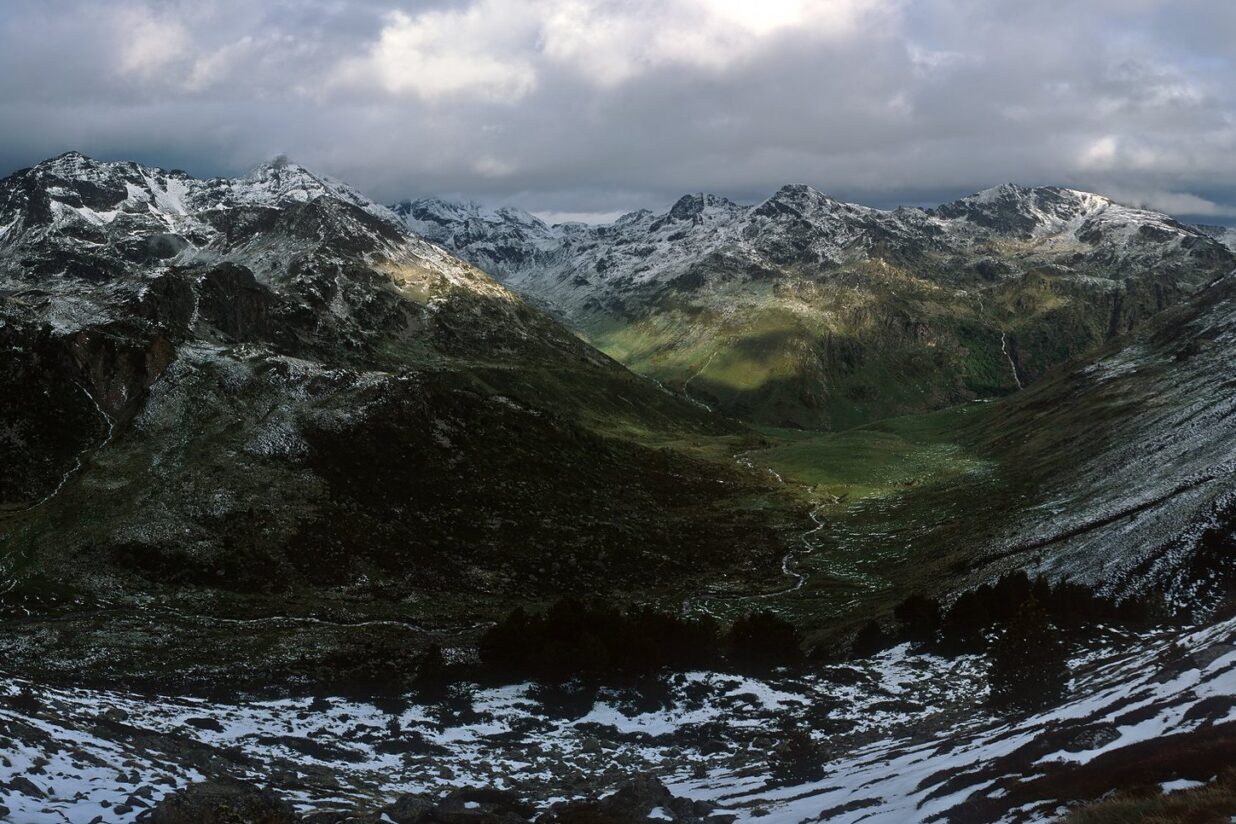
<point>806,311</point>
<point>1224,234</point>
<point>265,387</point>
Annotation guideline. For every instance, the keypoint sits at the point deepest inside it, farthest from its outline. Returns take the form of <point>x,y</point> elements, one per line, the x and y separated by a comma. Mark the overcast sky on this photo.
<point>595,107</point>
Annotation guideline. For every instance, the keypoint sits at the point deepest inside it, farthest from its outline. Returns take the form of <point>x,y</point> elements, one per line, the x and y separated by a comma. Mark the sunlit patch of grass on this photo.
<point>723,352</point>
<point>875,460</point>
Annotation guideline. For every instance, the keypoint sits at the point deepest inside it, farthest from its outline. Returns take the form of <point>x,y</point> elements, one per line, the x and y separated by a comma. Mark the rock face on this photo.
<point>640,799</point>
<point>222,801</point>
<point>468,806</point>
<point>807,311</point>
<point>269,387</point>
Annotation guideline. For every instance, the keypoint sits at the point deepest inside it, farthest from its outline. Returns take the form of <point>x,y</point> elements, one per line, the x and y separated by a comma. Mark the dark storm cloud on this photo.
<point>599,106</point>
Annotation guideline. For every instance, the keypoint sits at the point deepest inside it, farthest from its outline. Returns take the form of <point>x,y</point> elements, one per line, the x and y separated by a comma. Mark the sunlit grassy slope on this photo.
<point>879,459</point>
<point>866,343</point>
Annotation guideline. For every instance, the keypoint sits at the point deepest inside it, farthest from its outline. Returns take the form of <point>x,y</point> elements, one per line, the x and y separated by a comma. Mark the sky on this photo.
<point>584,109</point>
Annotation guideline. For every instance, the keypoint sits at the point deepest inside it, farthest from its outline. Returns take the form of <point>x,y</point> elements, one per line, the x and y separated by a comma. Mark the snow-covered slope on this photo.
<point>909,739</point>
<point>75,217</point>
<point>1132,454</point>
<point>1224,234</point>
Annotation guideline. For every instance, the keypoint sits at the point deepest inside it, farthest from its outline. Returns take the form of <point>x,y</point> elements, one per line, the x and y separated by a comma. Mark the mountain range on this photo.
<point>803,311</point>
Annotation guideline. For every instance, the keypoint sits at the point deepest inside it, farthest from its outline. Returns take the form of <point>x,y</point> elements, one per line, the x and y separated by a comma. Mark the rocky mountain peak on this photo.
<point>1022,210</point>
<point>582,272</point>
<point>71,162</point>
<point>514,214</point>
<point>633,217</point>
<point>692,207</point>
<point>439,219</point>
<point>280,181</point>
<point>797,200</point>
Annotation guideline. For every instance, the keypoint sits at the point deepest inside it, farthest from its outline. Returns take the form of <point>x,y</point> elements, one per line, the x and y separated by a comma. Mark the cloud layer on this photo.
<point>598,106</point>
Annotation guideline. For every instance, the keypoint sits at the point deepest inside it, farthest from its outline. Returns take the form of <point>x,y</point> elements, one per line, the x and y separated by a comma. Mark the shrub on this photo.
<point>590,641</point>
<point>918,618</point>
<point>870,639</point>
<point>972,617</point>
<point>432,680</point>
<point>594,642</point>
<point>796,758</point>
<point>763,640</point>
<point>1029,662</point>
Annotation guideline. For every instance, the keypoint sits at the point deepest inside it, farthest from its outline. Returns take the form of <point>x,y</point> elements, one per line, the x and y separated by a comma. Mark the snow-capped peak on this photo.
<point>690,207</point>
<point>499,236</point>
<point>78,220</point>
<point>281,181</point>
<point>801,200</point>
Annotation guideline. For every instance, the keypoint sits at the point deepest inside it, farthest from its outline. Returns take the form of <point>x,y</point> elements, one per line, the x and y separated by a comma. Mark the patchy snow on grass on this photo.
<point>909,734</point>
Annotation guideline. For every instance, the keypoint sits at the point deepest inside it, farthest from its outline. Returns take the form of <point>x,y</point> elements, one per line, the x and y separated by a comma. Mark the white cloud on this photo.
<point>500,49</point>
<point>149,42</point>
<point>1177,203</point>
<point>579,217</point>
<point>437,54</point>
<point>493,167</point>
<point>761,17</point>
<point>596,106</point>
<point>611,41</point>
<point>1100,153</point>
<point>220,65</point>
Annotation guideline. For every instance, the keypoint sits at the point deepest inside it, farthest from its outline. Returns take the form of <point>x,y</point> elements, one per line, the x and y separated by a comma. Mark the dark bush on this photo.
<point>967,624</point>
<point>1069,606</point>
<point>578,640</point>
<point>918,618</point>
<point>796,758</point>
<point>870,639</point>
<point>432,680</point>
<point>1029,662</point>
<point>574,640</point>
<point>763,640</point>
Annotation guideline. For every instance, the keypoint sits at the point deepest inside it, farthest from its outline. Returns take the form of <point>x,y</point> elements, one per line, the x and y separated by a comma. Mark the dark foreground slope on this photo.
<point>265,397</point>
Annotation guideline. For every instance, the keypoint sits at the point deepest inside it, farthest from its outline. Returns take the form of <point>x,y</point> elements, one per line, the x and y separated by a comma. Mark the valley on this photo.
<point>274,461</point>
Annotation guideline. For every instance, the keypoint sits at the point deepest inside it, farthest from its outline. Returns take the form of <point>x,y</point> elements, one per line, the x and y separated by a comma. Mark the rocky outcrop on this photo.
<point>222,801</point>
<point>63,395</point>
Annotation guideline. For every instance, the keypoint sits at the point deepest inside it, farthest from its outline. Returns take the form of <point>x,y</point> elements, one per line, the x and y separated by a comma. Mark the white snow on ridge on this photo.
<point>578,270</point>
<point>106,210</point>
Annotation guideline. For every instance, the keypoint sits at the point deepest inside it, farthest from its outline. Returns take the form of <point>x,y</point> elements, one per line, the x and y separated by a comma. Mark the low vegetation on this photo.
<point>797,758</point>
<point>879,459</point>
<point>968,624</point>
<point>1029,662</point>
<point>1212,803</point>
<point>574,639</point>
